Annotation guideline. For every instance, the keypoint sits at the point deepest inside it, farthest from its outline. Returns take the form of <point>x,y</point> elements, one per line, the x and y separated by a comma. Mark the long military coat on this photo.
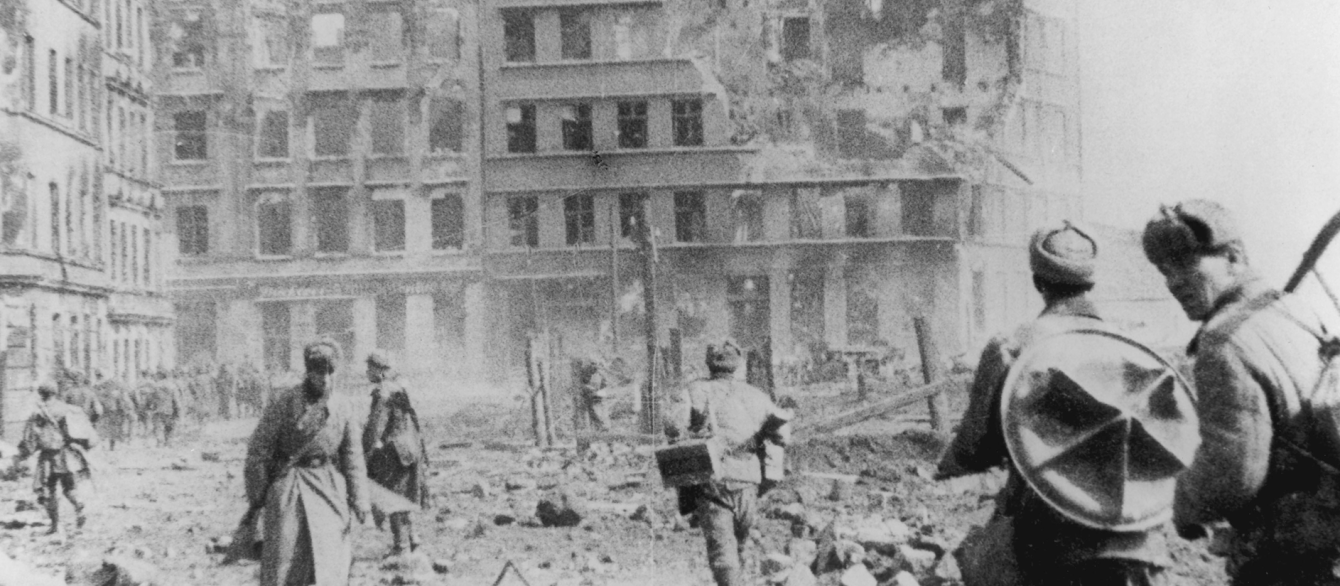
<point>393,442</point>
<point>307,508</point>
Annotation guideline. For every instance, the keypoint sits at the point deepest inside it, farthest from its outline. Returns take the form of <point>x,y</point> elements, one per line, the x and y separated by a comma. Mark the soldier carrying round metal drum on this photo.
<point>1093,429</point>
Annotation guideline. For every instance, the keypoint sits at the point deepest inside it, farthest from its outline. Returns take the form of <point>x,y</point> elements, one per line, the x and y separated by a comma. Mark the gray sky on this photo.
<point>1232,100</point>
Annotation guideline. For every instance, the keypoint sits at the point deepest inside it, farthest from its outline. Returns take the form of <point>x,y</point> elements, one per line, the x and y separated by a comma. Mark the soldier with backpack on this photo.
<point>59,434</point>
<point>1268,462</point>
<point>1090,492</point>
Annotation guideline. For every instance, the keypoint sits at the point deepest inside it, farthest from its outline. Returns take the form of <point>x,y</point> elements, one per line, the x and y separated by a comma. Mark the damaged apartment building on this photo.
<point>445,179</point>
<point>80,236</point>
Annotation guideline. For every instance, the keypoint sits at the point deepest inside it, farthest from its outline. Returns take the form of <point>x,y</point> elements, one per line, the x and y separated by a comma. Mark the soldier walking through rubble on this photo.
<point>165,408</point>
<point>1260,466</point>
<point>393,442</point>
<point>594,388</point>
<point>1055,538</point>
<point>739,418</point>
<point>119,411</point>
<point>81,395</point>
<point>305,468</point>
<point>59,434</point>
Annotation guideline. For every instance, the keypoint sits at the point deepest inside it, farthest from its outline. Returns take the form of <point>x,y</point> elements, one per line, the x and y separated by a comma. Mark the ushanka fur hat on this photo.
<point>1063,254</point>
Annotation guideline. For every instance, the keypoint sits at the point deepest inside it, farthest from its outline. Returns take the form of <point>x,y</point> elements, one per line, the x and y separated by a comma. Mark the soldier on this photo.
<point>144,395</point>
<point>1051,546</point>
<point>225,390</point>
<point>594,388</point>
<point>166,408</point>
<point>81,395</point>
<point>739,418</point>
<point>394,445</point>
<point>1255,367</point>
<point>58,433</point>
<point>119,410</point>
<point>305,468</point>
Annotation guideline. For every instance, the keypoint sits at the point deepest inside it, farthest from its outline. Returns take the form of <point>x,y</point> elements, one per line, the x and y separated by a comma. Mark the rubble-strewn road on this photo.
<point>889,524</point>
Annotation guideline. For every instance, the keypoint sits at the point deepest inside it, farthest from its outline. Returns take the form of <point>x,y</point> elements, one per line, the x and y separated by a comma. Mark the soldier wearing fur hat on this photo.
<point>58,433</point>
<point>740,419</point>
<point>305,468</point>
<point>394,444</point>
<point>1050,546</point>
<point>1255,367</point>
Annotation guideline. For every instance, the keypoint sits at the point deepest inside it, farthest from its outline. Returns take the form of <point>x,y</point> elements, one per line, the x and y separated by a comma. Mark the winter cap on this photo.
<point>379,359</point>
<point>1063,254</point>
<point>321,355</point>
<point>723,358</point>
<point>1192,227</point>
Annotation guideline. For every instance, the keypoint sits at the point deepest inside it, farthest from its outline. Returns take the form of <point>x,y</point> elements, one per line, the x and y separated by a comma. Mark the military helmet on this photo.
<point>1099,426</point>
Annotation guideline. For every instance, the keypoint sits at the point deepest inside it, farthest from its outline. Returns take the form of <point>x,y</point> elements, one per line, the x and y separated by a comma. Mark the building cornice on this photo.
<point>39,282</point>
<point>56,127</point>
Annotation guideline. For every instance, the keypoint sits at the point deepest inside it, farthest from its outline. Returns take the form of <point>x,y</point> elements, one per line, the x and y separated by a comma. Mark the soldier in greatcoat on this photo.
<point>305,467</point>
<point>740,418</point>
<point>394,444</point>
<point>81,395</point>
<point>1256,366</point>
<point>1050,548</point>
<point>118,411</point>
<point>166,407</point>
<point>58,433</point>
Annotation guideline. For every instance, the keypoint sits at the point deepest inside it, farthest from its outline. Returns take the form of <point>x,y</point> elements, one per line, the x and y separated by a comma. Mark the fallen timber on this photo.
<point>879,408</point>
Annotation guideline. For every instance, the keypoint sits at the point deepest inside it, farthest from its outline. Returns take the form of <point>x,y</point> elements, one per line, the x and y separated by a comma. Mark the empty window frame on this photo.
<point>448,221</point>
<point>189,138</point>
<point>272,142</point>
<point>795,38</point>
<point>192,230</point>
<point>446,132</point>
<point>690,216</point>
<point>333,121</point>
<point>330,212</point>
<point>69,88</point>
<point>576,126</point>
<point>575,34</point>
<point>273,225</point>
<point>30,73</point>
<point>579,219</point>
<point>918,208</point>
<point>687,118</point>
<point>388,221</point>
<point>328,38</point>
<point>521,128</point>
<point>275,335</point>
<point>385,36</point>
<point>387,124</point>
<point>444,37</point>
<point>955,116</point>
<point>851,133</point>
<point>189,51</point>
<point>519,36</point>
<point>749,217</point>
<point>632,125</point>
<point>53,83</point>
<point>523,220</point>
<point>631,213</point>
<point>859,213</point>
<point>977,213</point>
<point>272,47</point>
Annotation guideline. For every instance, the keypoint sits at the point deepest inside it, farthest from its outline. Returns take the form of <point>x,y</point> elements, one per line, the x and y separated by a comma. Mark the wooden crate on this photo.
<point>689,463</point>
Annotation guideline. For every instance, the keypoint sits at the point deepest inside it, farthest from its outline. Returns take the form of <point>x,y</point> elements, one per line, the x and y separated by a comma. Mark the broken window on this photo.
<point>189,51</point>
<point>14,219</point>
<point>385,30</point>
<point>387,125</point>
<point>125,252</point>
<point>521,128</point>
<point>579,218</point>
<point>796,38</point>
<point>328,38</point>
<point>445,125</point>
<point>862,311</point>
<point>859,216</point>
<point>690,216</point>
<point>273,142</point>
<point>30,72</point>
<point>575,34</point>
<point>69,87</point>
<point>275,343</point>
<point>192,230</point>
<point>918,208</point>
<point>577,127</point>
<point>630,38</point>
<point>134,255</point>
<point>53,83</point>
<point>523,220</point>
<point>807,309</point>
<point>190,135</point>
<point>806,215</point>
<point>448,219</point>
<point>632,125</point>
<point>631,213</point>
<point>688,122</point>
<point>444,33</point>
<point>391,318</point>
<point>388,223</point>
<point>273,226</point>
<point>748,216</point>
<point>748,301</point>
<point>954,53</point>
<point>272,47</point>
<point>955,116</point>
<point>851,133</point>
<point>331,215</point>
<point>976,213</point>
<point>519,36</point>
<point>333,118</point>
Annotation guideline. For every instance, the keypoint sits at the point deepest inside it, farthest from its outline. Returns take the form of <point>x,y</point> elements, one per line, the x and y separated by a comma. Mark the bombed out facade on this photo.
<point>444,179</point>
<point>80,238</point>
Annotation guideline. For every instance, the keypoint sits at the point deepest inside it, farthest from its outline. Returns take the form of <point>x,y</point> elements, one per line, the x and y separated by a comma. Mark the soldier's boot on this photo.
<point>399,534</point>
<point>411,534</point>
<point>53,512</point>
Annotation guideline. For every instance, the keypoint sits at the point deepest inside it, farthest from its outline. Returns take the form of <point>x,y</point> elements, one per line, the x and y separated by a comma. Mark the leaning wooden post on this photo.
<point>930,370</point>
<point>533,379</point>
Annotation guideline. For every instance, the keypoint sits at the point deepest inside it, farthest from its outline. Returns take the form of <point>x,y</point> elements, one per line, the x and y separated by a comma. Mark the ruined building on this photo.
<point>321,171</point>
<point>445,178</point>
<point>79,237</point>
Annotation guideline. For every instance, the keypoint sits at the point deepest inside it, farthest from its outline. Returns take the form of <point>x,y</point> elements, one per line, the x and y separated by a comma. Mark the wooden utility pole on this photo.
<point>647,241</point>
<point>616,229</point>
<point>930,370</point>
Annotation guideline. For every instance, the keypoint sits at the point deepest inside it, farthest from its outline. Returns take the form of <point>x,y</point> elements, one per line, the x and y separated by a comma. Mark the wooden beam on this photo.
<point>877,409</point>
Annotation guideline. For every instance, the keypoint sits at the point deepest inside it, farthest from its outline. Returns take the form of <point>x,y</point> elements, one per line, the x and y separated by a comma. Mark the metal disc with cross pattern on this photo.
<point>1099,426</point>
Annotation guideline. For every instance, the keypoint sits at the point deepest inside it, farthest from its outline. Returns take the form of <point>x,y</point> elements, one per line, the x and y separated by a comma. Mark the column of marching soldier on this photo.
<point>1244,450</point>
